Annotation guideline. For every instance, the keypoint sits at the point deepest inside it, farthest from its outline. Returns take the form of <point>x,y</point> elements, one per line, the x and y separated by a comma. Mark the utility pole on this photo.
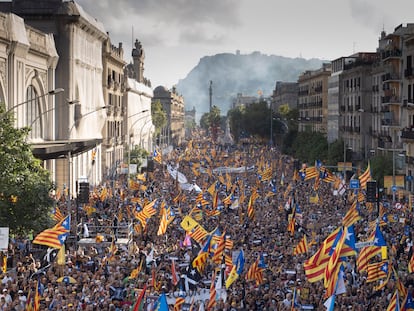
<point>211,93</point>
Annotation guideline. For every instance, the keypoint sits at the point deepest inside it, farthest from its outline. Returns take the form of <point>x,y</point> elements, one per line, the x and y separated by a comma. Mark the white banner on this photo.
<point>4,238</point>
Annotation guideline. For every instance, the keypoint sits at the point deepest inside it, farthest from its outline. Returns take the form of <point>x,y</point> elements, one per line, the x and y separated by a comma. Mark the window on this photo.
<point>32,115</point>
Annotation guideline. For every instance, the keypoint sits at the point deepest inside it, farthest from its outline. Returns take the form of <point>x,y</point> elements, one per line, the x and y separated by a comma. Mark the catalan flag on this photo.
<point>368,252</point>
<point>352,215</point>
<point>394,304</point>
<point>255,272</point>
<point>237,270</point>
<point>57,214</point>
<point>198,234</point>
<point>219,251</point>
<point>377,271</point>
<point>302,247</point>
<point>330,270</point>
<point>156,155</point>
<point>200,261</point>
<point>365,177</point>
<point>212,300</point>
<point>54,237</point>
<point>310,173</point>
<point>179,301</point>
<point>38,294</point>
<point>411,264</point>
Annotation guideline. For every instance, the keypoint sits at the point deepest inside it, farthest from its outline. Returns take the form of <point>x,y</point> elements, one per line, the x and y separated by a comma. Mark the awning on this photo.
<point>60,148</point>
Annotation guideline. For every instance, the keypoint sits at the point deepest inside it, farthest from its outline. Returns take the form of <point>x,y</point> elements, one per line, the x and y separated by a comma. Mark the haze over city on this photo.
<point>176,34</point>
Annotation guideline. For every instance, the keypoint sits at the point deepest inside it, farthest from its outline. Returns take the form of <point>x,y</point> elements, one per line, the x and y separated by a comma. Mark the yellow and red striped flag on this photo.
<point>198,233</point>
<point>377,271</point>
<point>179,301</point>
<point>365,177</point>
<point>219,252</point>
<point>351,216</point>
<point>302,246</point>
<point>394,304</point>
<point>36,303</point>
<point>212,301</point>
<point>411,265</point>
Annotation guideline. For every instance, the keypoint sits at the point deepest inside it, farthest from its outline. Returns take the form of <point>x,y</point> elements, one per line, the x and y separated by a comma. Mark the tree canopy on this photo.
<point>25,186</point>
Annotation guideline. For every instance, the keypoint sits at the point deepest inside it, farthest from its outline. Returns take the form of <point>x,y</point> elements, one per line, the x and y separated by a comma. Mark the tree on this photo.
<point>159,117</point>
<point>25,186</point>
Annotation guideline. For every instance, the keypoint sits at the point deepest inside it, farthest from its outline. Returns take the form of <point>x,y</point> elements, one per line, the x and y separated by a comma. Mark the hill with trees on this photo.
<point>249,74</point>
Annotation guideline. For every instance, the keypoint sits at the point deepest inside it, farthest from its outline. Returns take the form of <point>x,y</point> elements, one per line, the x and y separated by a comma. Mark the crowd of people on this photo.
<point>100,275</point>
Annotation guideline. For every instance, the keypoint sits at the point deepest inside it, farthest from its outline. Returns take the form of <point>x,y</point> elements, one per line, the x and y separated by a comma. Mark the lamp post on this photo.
<point>271,125</point>
<point>71,102</point>
<point>129,138</point>
<point>69,157</point>
<point>142,129</point>
<point>52,93</point>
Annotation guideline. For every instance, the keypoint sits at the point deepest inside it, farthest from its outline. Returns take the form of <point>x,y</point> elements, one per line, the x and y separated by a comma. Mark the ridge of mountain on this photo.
<point>231,74</point>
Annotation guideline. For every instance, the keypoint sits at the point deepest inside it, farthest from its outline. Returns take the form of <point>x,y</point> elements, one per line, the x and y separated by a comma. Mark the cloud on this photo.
<point>376,15</point>
<point>163,22</point>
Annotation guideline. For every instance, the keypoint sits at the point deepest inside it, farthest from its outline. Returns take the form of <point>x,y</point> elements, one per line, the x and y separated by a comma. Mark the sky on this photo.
<point>176,34</point>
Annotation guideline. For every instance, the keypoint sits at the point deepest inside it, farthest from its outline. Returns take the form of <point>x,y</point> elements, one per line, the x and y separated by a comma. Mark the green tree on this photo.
<point>381,166</point>
<point>236,116</point>
<point>25,186</point>
<point>137,154</point>
<point>159,117</point>
<point>204,121</point>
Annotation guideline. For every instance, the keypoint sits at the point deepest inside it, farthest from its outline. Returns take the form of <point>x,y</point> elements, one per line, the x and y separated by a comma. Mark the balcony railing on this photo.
<point>391,77</point>
<point>391,54</point>
<point>407,133</point>
<point>390,100</point>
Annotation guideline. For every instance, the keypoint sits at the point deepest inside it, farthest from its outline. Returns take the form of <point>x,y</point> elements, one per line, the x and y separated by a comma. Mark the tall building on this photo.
<point>285,93</point>
<point>79,39</point>
<point>28,59</point>
<point>313,99</point>
<point>139,129</point>
<point>113,91</point>
<point>355,104</point>
<point>407,128</point>
<point>173,105</point>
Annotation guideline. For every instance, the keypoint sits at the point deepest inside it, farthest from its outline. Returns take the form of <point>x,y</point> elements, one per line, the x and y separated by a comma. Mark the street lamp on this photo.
<point>129,138</point>
<point>71,102</point>
<point>69,155</point>
<point>52,92</point>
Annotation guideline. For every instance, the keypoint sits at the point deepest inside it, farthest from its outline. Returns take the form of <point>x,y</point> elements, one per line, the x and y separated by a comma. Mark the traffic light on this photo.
<point>83,196</point>
<point>371,191</point>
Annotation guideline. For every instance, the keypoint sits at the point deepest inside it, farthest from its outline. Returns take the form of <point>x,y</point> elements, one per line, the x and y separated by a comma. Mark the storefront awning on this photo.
<point>60,148</point>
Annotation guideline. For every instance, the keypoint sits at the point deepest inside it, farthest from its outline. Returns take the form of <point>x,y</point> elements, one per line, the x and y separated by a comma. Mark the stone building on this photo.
<point>313,99</point>
<point>173,105</point>
<point>28,60</point>
<point>113,89</point>
<point>79,39</point>
<point>285,93</point>
<point>355,104</point>
<point>138,129</point>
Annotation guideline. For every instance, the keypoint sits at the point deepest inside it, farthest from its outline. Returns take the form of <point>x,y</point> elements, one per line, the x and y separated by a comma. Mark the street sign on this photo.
<point>354,184</point>
<point>363,244</point>
<point>394,188</point>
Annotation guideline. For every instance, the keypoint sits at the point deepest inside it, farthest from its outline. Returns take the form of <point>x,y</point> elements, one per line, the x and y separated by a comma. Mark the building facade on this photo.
<point>79,39</point>
<point>355,104</point>
<point>173,105</point>
<point>285,93</point>
<point>139,129</point>
<point>313,99</point>
<point>113,91</point>
<point>28,60</point>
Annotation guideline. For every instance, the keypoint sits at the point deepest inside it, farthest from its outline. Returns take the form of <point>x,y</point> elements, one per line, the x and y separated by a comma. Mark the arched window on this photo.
<point>32,117</point>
